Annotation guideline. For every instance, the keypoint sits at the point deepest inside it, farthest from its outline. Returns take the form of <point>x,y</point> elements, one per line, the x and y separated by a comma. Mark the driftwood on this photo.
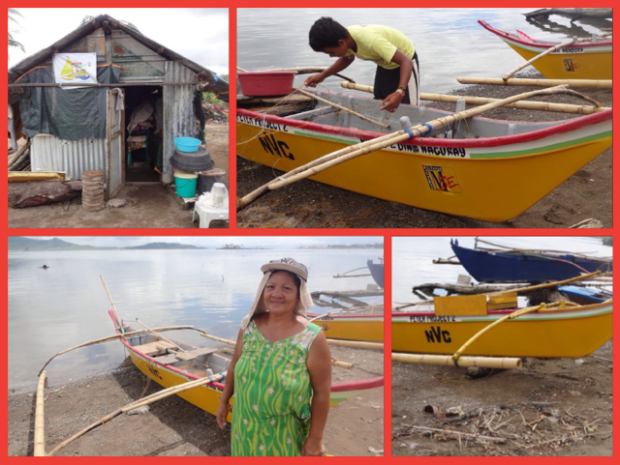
<point>18,154</point>
<point>33,194</point>
<point>572,12</point>
<point>424,429</point>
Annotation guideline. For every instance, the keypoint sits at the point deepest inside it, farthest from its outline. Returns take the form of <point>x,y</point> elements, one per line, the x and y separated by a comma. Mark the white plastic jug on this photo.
<point>212,205</point>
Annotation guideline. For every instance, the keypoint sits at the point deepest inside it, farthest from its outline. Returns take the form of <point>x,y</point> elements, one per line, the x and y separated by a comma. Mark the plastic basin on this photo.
<point>265,83</point>
<point>187,144</point>
<point>185,183</point>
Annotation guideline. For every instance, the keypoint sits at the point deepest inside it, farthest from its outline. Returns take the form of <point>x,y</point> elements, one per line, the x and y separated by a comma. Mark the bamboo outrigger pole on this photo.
<point>147,400</point>
<point>575,83</point>
<point>525,105</point>
<point>336,363</point>
<point>537,57</point>
<point>39,419</point>
<point>113,307</point>
<point>348,153</point>
<point>111,338</point>
<point>506,363</point>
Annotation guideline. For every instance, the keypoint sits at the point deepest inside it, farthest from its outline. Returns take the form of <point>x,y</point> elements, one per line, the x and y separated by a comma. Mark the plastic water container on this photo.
<point>187,144</point>
<point>212,205</point>
<point>185,183</point>
<point>266,83</point>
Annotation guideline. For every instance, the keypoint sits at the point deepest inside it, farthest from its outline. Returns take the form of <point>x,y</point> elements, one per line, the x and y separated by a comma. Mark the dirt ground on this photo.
<point>149,205</point>
<point>174,427</point>
<point>308,204</point>
<point>551,407</point>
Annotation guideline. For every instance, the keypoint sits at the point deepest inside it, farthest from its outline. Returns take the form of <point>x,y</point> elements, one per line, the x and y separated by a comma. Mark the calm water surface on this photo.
<point>412,261</point>
<point>66,305</point>
<point>449,42</point>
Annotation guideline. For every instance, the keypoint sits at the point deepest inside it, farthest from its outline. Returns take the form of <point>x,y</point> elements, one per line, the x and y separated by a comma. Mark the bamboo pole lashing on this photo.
<point>401,136</point>
<point>506,363</point>
<point>120,323</point>
<point>525,105</point>
<point>538,57</point>
<point>39,418</point>
<point>574,83</point>
<point>152,398</point>
<point>111,338</point>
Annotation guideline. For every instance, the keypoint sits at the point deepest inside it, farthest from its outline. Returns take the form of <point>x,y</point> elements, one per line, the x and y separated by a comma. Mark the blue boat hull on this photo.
<point>376,271</point>
<point>500,267</point>
<point>583,295</point>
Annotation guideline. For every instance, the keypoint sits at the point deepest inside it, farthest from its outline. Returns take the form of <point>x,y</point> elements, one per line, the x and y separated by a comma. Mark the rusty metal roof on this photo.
<point>86,29</point>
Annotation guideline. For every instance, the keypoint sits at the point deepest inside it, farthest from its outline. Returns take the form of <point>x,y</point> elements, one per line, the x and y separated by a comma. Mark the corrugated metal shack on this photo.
<point>131,67</point>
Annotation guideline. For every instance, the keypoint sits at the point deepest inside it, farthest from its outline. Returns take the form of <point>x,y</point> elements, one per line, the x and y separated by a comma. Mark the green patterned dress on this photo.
<point>271,406</point>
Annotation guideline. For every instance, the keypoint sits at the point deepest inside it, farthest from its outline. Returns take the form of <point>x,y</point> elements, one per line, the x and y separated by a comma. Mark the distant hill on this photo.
<point>24,243</point>
<point>162,245</point>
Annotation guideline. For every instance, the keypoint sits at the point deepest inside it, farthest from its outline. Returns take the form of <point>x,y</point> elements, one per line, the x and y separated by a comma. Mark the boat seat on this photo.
<point>153,348</point>
<point>192,354</point>
<point>185,356</point>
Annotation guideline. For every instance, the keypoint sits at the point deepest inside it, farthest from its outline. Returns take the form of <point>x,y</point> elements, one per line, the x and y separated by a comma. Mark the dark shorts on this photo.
<point>387,80</point>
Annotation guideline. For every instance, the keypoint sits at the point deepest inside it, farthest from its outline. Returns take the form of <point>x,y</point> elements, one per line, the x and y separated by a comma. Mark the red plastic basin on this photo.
<point>266,83</point>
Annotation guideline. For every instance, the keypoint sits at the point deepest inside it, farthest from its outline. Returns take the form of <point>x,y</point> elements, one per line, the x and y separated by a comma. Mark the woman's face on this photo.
<point>281,293</point>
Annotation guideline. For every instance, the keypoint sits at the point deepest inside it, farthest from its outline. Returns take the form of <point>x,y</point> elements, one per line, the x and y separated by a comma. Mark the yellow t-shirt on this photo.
<point>379,44</point>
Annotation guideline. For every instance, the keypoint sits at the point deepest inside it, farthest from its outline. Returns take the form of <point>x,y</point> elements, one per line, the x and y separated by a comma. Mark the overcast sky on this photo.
<point>199,34</point>
<point>212,242</point>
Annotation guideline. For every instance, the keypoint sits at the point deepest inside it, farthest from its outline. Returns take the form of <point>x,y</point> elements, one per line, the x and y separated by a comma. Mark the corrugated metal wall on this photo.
<point>179,118</point>
<point>73,157</point>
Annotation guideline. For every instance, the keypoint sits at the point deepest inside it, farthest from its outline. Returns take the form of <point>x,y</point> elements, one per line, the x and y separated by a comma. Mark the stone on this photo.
<point>116,203</point>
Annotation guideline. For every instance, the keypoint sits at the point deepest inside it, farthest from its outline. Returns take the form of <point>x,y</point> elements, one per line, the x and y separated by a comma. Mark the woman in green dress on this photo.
<point>280,373</point>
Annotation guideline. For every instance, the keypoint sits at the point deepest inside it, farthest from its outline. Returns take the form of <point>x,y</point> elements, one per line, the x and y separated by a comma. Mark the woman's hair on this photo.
<point>326,32</point>
<point>296,279</point>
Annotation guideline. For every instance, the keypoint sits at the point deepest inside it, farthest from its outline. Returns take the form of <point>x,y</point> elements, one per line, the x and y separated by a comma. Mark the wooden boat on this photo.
<point>357,327</point>
<point>149,353</point>
<point>485,169</point>
<point>581,60</point>
<point>505,266</point>
<point>376,271</point>
<point>557,332</point>
<point>584,295</point>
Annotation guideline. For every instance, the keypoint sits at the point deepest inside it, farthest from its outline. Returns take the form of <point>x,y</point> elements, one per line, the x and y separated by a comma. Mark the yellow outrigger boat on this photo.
<point>150,354</point>
<point>557,330</point>
<point>481,168</point>
<point>581,60</point>
<point>357,327</point>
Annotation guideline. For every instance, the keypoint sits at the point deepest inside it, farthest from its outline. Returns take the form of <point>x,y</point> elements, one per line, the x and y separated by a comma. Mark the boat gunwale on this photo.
<point>537,43</point>
<point>567,311</point>
<point>343,317</point>
<point>557,128</point>
<point>339,386</point>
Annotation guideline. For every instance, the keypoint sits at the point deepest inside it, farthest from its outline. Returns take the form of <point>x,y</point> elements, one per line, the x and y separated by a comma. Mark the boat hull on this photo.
<point>565,334</point>
<point>589,60</point>
<point>498,267</point>
<point>376,271</point>
<point>353,328</point>
<point>493,180</point>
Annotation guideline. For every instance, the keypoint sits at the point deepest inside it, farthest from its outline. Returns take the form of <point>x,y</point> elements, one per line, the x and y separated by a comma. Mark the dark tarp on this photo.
<point>69,114</point>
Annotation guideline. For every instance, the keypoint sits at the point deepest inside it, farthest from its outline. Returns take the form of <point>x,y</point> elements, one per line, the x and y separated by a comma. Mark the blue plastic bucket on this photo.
<point>186,144</point>
<point>185,183</point>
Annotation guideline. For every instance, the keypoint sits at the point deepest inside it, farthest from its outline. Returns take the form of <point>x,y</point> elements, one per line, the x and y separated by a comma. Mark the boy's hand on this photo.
<point>312,81</point>
<point>391,102</point>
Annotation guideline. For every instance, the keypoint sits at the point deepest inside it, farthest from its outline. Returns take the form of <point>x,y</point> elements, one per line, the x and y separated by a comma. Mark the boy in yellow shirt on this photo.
<point>397,79</point>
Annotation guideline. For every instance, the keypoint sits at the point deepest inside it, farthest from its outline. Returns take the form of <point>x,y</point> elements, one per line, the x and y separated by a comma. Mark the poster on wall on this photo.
<point>75,68</point>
